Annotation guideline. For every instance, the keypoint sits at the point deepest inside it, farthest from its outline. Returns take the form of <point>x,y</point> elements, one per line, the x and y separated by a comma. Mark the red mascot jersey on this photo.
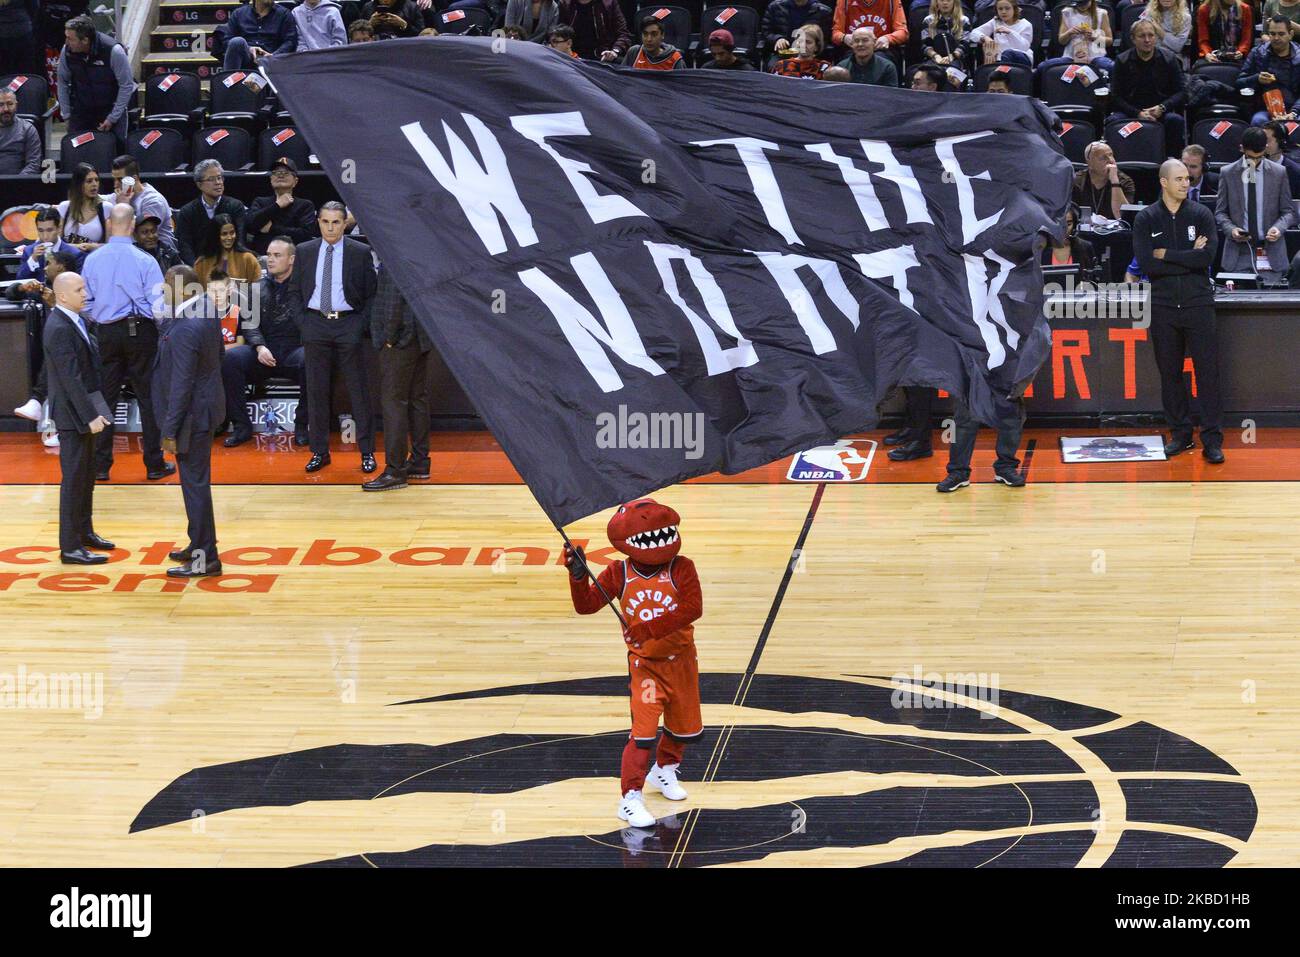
<point>660,607</point>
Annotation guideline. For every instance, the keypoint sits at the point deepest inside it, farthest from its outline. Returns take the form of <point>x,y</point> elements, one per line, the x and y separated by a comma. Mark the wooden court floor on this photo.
<point>399,679</point>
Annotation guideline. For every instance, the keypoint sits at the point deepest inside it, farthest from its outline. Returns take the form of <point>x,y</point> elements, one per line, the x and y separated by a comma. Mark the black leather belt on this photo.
<point>333,315</point>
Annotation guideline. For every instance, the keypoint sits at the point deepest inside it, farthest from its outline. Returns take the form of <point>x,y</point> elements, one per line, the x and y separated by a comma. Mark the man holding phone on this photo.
<point>1273,70</point>
<point>34,257</point>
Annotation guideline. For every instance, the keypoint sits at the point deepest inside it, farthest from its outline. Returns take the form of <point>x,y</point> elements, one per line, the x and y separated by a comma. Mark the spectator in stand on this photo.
<point>998,84</point>
<point>1147,84</point>
<point>404,371</point>
<point>534,17</point>
<point>1276,8</point>
<point>50,25</point>
<point>257,31</point>
<point>1254,211</point>
<point>837,74</point>
<point>36,290</point>
<point>220,290</point>
<point>143,198</point>
<point>281,213</point>
<point>33,257</point>
<point>783,17</point>
<point>1273,67</point>
<point>18,36</point>
<point>319,24</point>
<point>1172,21</point>
<point>803,57</point>
<point>1102,188</point>
<point>885,18</point>
<point>864,66</point>
<point>393,18</point>
<point>85,213</point>
<point>942,33</point>
<point>148,239</point>
<point>272,345</point>
<point>1200,179</point>
<point>94,81</point>
<point>1224,30</point>
<point>927,77</point>
<point>560,39</point>
<point>1075,251</point>
<point>20,144</point>
<point>1277,137</point>
<point>1007,38</point>
<point>194,218</point>
<point>1085,36</point>
<point>722,46</point>
<point>223,248</point>
<point>122,283</point>
<point>652,53</point>
<point>361,32</point>
<point>599,28</point>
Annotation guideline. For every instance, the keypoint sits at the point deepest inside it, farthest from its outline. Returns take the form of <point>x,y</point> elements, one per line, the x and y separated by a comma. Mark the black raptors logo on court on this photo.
<point>1045,782</point>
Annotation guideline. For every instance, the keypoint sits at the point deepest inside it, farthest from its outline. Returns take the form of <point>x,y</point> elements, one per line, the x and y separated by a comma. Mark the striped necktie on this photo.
<point>327,282</point>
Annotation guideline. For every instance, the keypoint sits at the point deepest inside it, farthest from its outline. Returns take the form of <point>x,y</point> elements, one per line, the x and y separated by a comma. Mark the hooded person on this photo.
<point>657,594</point>
<point>320,25</point>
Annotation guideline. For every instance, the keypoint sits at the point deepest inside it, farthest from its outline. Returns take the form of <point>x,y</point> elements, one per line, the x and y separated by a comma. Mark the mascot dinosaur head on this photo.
<point>645,531</point>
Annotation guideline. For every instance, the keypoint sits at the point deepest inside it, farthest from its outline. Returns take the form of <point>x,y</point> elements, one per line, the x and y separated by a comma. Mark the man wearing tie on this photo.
<point>336,279</point>
<point>80,413</point>
<point>123,282</point>
<point>191,406</point>
<point>1254,211</point>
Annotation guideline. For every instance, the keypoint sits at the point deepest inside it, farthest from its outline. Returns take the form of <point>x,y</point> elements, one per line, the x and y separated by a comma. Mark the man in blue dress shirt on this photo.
<point>123,283</point>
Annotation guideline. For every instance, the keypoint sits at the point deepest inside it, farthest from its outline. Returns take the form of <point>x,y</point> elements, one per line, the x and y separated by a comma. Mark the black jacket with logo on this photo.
<point>1180,280</point>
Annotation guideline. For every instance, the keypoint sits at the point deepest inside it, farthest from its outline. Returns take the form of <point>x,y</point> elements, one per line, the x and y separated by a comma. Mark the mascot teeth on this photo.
<point>655,538</point>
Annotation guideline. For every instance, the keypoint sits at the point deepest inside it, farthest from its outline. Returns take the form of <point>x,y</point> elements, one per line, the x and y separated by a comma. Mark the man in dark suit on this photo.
<point>194,219</point>
<point>191,406</point>
<point>336,280</point>
<point>79,412</point>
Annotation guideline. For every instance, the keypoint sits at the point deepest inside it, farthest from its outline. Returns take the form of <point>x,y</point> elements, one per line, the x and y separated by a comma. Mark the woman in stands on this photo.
<point>942,31</point>
<point>224,250</point>
<point>1085,36</point>
<point>806,44</point>
<point>534,17</point>
<point>1225,30</point>
<point>1075,252</point>
<point>1172,22</point>
<point>1007,38</point>
<point>84,213</point>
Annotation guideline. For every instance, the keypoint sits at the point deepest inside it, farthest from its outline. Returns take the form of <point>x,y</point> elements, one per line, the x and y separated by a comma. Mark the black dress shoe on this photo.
<point>101,476</point>
<point>237,439</point>
<point>368,463</point>
<point>915,449</point>
<point>82,557</point>
<point>301,439</point>
<point>194,570</point>
<point>182,555</point>
<point>1176,446</point>
<point>318,462</point>
<point>389,480</point>
<point>897,438</point>
<point>94,541</point>
<point>154,475</point>
<point>1213,454</point>
<point>416,470</point>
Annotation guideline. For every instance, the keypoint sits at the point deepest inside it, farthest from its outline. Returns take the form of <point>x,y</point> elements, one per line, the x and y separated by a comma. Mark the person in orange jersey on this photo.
<point>658,594</point>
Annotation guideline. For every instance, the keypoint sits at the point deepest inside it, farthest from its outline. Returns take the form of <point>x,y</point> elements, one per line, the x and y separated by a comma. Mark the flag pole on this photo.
<point>592,575</point>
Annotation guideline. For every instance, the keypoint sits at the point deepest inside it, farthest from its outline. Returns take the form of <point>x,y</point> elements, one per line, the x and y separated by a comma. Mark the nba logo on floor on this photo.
<point>846,461</point>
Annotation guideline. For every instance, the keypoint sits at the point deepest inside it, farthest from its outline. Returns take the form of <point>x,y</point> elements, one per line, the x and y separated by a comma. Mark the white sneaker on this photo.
<point>632,810</point>
<point>50,438</point>
<point>31,409</point>
<point>664,780</point>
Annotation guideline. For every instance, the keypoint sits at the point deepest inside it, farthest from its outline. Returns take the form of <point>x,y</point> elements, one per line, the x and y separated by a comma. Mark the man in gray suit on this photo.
<point>1253,231</point>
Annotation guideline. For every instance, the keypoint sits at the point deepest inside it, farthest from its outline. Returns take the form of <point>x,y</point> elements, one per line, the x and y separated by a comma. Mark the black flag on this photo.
<point>642,276</point>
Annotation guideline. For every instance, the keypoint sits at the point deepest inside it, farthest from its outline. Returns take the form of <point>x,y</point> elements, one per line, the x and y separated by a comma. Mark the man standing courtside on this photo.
<point>1175,241</point>
<point>122,283</point>
<point>336,280</point>
<point>191,406</point>
<point>79,412</point>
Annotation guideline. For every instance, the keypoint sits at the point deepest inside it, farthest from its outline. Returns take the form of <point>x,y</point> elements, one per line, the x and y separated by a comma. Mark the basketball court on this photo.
<point>1097,669</point>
